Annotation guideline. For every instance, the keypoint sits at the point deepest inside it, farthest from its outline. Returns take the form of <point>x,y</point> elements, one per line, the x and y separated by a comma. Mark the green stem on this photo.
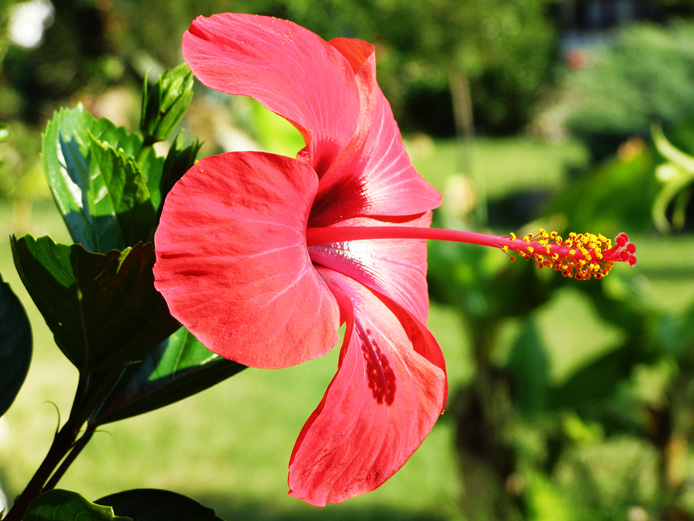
<point>145,151</point>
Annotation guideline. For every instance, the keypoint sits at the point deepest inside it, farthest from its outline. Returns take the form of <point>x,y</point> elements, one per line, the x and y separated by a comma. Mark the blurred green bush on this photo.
<point>645,76</point>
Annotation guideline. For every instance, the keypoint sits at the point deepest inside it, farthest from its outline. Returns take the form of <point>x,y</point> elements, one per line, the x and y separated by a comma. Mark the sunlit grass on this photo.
<point>499,166</point>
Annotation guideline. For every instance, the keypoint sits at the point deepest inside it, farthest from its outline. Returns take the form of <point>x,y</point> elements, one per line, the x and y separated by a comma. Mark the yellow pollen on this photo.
<point>579,256</point>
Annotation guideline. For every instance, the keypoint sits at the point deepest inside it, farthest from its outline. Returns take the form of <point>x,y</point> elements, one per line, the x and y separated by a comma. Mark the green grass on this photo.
<point>228,447</point>
<point>500,166</point>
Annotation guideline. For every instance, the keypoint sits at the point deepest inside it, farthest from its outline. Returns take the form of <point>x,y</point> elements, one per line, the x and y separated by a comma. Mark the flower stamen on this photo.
<point>580,255</point>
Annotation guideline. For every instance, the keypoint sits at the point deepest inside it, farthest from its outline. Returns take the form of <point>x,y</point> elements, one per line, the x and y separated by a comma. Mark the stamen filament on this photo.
<point>580,255</point>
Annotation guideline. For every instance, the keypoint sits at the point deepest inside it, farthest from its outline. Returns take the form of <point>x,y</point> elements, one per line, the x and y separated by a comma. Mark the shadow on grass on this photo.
<point>229,509</point>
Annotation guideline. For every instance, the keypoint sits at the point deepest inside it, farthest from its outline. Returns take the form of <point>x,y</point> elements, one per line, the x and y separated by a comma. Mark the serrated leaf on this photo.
<point>15,346</point>
<point>64,505</point>
<point>102,308</point>
<point>179,367</point>
<point>82,194</point>
<point>157,505</point>
<point>124,193</point>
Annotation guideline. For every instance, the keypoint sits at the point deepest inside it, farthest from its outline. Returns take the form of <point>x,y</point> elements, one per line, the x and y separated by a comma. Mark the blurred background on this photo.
<point>568,400</point>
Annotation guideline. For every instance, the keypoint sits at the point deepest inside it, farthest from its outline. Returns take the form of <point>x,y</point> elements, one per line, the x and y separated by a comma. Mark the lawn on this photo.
<point>228,447</point>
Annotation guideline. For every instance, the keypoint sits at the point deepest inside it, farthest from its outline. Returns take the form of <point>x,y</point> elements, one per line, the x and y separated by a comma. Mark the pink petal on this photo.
<point>381,404</point>
<point>287,68</point>
<point>232,261</point>
<point>392,267</point>
<point>356,51</point>
<point>373,176</point>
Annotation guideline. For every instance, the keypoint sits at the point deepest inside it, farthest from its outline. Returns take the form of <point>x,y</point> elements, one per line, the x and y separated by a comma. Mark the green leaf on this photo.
<point>152,167</point>
<point>63,505</point>
<point>669,151</point>
<point>125,194</point>
<point>179,367</point>
<point>677,181</point>
<point>529,366</point>
<point>97,186</point>
<point>164,106</point>
<point>102,308</point>
<point>596,380</point>
<point>676,175</point>
<point>15,346</point>
<point>178,161</point>
<point>157,505</point>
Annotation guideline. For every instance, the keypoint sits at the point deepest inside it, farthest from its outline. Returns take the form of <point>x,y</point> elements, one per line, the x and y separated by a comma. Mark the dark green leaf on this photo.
<point>157,505</point>
<point>164,106</point>
<point>94,186</point>
<point>596,380</point>
<point>15,346</point>
<point>676,336</point>
<point>102,308</point>
<point>180,367</point>
<point>63,505</point>
<point>179,159</point>
<point>529,369</point>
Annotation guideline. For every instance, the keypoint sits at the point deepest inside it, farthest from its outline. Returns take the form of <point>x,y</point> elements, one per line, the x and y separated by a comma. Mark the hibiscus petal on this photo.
<point>287,68</point>
<point>373,175</point>
<point>232,261</point>
<point>381,404</point>
<point>393,267</point>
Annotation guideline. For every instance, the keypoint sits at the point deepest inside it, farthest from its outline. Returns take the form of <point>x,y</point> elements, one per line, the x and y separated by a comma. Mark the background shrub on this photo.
<point>646,76</point>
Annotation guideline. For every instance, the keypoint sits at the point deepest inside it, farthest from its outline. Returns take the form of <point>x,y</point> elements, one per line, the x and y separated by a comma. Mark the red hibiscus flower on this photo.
<point>263,256</point>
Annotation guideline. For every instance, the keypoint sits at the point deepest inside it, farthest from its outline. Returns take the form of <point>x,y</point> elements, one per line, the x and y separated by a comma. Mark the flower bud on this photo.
<point>164,105</point>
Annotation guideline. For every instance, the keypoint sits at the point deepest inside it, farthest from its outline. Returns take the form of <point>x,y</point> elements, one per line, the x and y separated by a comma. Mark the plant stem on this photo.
<point>62,444</point>
<point>77,447</point>
<point>66,447</point>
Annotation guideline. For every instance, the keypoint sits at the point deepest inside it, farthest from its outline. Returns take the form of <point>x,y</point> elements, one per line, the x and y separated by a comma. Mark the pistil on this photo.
<point>580,255</point>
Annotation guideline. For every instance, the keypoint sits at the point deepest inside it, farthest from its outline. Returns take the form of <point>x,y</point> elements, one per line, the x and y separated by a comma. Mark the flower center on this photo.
<point>580,255</point>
